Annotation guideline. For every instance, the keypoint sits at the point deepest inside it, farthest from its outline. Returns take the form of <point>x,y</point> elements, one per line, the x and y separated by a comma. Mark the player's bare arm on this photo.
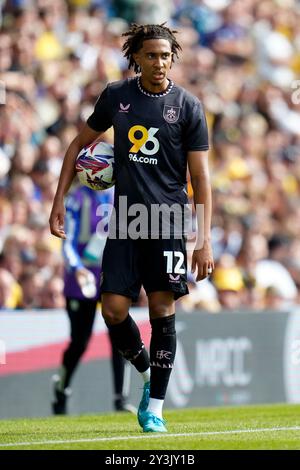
<point>57,216</point>
<point>199,171</point>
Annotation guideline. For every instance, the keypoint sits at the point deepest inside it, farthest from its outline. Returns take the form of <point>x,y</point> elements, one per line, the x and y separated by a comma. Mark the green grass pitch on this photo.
<point>248,427</point>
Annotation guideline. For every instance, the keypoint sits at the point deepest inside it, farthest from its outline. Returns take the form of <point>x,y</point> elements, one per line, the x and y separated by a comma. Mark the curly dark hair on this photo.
<point>139,33</point>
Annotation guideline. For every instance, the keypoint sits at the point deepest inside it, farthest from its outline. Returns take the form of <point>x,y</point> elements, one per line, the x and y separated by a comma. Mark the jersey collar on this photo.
<point>154,95</point>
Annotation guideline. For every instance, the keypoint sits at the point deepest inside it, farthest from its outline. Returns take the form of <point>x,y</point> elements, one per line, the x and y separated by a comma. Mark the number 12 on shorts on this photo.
<point>172,258</point>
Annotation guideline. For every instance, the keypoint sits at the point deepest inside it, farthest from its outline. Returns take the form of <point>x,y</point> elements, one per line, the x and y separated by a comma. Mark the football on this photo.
<point>95,166</point>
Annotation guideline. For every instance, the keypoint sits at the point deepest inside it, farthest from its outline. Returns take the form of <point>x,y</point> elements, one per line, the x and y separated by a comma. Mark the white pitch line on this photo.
<point>150,436</point>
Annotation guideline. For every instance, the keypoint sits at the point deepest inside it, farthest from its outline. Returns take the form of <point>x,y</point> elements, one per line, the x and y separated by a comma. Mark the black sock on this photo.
<point>117,364</point>
<point>162,354</point>
<point>126,337</point>
<point>71,358</point>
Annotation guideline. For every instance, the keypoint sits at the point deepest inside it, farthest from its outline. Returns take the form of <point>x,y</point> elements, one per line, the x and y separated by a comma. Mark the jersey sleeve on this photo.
<point>196,133</point>
<point>100,120</point>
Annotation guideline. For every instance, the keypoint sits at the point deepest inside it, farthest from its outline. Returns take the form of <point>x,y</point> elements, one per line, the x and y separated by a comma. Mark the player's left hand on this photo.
<point>203,260</point>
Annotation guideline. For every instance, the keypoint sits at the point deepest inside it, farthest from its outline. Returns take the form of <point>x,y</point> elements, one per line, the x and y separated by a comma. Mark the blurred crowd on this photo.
<point>240,57</point>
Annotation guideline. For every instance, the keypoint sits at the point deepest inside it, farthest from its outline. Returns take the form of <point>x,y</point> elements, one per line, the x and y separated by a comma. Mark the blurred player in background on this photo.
<point>82,252</point>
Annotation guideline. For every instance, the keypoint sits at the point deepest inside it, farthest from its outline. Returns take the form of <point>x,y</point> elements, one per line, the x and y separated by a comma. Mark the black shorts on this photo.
<point>157,265</point>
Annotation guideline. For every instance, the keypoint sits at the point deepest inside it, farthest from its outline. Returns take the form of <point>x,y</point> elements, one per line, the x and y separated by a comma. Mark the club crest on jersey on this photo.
<point>171,113</point>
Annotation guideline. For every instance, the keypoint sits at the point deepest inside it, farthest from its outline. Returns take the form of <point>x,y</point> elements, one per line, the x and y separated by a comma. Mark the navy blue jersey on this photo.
<point>152,135</point>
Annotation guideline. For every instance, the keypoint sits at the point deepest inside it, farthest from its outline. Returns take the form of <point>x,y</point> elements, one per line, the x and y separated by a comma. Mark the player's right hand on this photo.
<point>57,218</point>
